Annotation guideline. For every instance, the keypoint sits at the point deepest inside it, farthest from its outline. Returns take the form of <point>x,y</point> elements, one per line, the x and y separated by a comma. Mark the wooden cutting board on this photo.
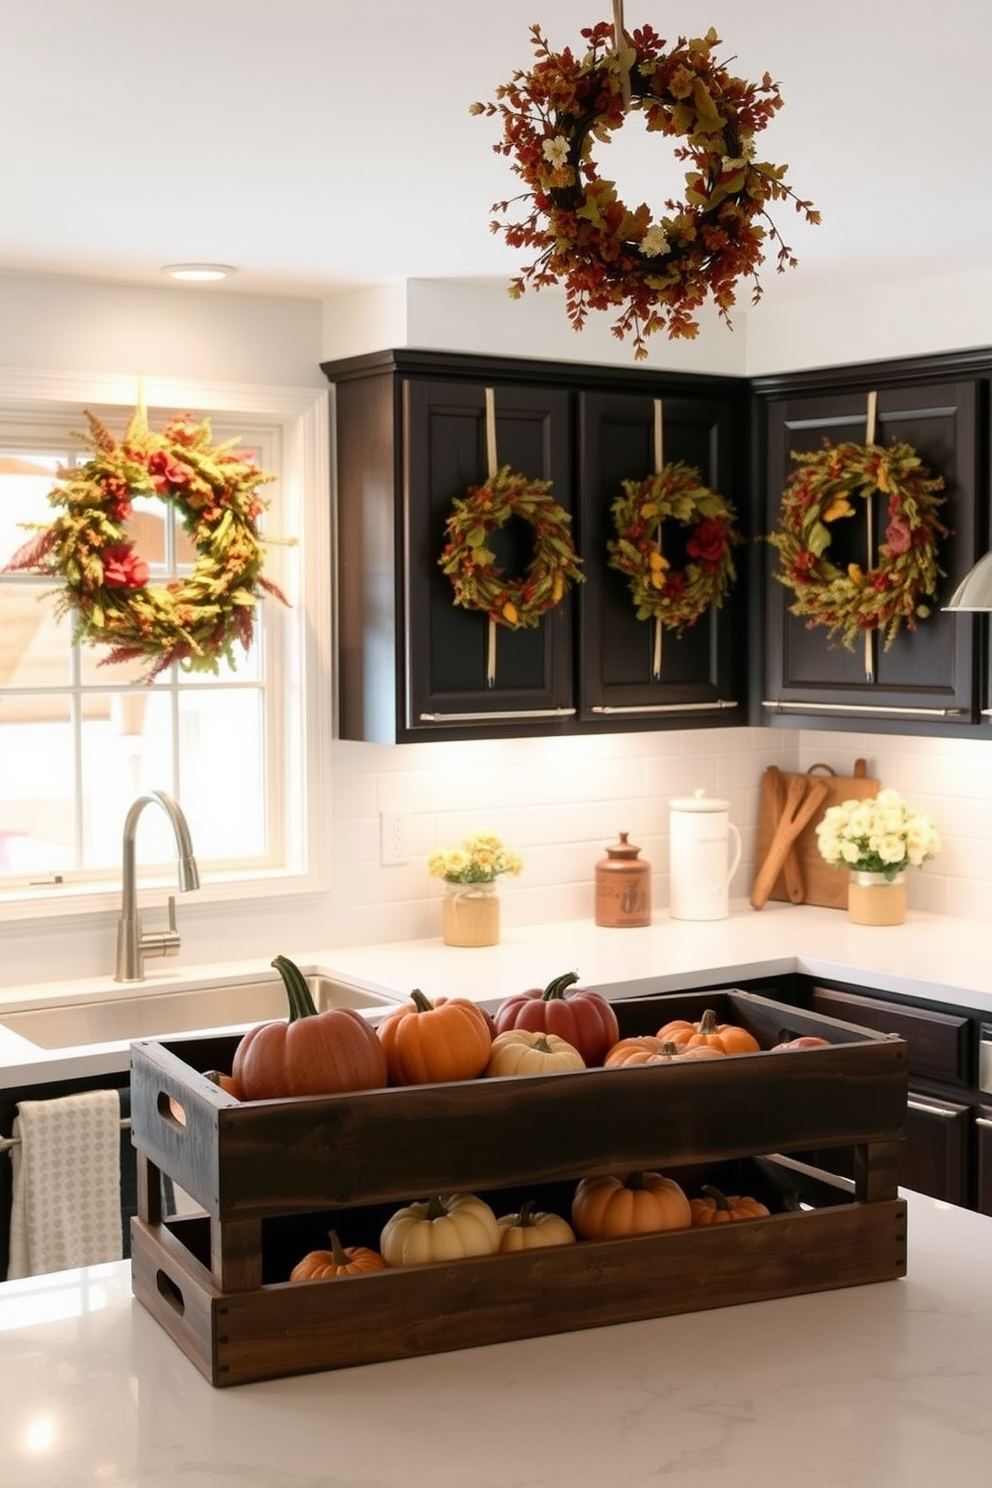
<point>806,878</point>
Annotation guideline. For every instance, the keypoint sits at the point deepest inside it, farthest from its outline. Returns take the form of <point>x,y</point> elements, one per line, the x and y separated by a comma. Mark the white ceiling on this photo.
<point>316,144</point>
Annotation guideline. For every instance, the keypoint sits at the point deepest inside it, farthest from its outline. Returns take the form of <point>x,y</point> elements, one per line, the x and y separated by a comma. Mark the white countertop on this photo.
<point>930,956</point>
<point>868,1387</point>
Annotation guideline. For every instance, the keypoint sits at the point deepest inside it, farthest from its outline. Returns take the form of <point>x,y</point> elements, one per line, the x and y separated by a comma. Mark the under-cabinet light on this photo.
<point>199,273</point>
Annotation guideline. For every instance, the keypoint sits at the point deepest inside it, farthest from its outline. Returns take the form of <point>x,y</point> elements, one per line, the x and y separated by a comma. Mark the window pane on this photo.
<point>25,481</point>
<point>223,790</point>
<point>36,789</point>
<point>125,749</point>
<point>34,645</point>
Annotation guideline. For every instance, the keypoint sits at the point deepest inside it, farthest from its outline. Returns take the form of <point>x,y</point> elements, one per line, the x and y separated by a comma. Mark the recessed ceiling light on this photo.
<point>198,273</point>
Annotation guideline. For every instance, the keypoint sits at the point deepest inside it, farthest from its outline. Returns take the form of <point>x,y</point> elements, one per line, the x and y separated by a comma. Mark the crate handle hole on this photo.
<point>170,1110</point>
<point>168,1289</point>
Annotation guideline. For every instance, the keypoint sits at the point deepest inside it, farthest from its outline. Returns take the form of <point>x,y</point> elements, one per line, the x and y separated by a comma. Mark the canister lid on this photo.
<point>699,801</point>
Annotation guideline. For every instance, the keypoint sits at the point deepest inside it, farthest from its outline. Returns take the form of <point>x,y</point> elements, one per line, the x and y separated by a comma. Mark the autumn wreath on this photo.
<point>892,589</point>
<point>191,621</point>
<point>478,581</point>
<point>675,597</point>
<point>658,269</point>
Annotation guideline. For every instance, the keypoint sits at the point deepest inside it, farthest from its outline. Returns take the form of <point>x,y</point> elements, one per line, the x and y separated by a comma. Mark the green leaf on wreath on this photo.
<point>818,539</point>
<point>476,536</point>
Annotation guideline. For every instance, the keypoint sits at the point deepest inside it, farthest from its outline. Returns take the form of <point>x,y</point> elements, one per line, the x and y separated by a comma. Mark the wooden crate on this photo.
<point>273,1176</point>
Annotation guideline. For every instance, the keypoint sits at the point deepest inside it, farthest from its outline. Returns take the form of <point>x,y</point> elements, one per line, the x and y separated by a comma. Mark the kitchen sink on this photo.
<point>106,1020</point>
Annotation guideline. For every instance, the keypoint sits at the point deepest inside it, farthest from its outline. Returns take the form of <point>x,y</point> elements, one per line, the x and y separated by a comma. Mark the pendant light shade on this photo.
<point>975,590</point>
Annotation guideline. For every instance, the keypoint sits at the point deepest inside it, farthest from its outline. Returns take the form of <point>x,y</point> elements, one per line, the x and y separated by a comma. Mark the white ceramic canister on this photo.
<point>704,851</point>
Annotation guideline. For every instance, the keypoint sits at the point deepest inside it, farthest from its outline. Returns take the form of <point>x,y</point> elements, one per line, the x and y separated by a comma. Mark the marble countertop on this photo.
<point>874,1385</point>
<point>931,956</point>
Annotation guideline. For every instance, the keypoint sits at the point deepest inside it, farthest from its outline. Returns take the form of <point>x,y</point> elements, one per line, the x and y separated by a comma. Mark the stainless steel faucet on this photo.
<point>132,944</point>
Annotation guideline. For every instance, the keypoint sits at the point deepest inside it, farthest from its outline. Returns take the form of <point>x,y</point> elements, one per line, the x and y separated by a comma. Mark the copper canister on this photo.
<point>623,887</point>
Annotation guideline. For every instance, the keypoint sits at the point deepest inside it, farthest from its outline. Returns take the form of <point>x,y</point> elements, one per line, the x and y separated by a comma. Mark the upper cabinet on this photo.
<point>412,435</point>
<point>928,681</point>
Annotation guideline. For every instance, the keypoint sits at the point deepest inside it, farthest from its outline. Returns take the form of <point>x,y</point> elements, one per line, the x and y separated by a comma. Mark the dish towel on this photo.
<point>66,1203</point>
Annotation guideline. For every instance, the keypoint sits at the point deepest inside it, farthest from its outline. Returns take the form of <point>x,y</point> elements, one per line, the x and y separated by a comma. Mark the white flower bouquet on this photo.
<point>879,835</point>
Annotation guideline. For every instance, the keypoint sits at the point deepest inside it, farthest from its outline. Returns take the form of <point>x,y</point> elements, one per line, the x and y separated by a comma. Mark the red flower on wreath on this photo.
<point>708,543</point>
<point>122,568</point>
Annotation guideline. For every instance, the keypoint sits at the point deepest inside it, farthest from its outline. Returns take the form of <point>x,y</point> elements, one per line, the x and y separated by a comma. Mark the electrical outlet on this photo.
<point>393,834</point>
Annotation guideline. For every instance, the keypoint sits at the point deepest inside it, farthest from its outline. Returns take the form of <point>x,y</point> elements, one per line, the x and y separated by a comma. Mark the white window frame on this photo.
<point>302,415</point>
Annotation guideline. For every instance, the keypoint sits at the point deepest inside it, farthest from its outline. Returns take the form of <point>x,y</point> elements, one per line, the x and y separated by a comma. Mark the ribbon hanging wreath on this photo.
<point>673,598</point>
<point>478,581</point>
<point>656,268</point>
<point>105,583</point>
<point>893,587</point>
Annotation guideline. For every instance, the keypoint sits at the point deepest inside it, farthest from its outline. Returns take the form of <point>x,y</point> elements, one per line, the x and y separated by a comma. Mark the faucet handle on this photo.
<point>162,942</point>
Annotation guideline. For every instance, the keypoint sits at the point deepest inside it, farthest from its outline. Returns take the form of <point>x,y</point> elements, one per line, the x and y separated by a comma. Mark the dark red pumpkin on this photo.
<point>311,1053</point>
<point>584,1019</point>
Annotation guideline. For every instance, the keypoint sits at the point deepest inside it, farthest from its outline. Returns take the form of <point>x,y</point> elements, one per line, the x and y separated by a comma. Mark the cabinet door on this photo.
<point>926,681</point>
<point>983,1159</point>
<point>934,1158</point>
<point>446,647</point>
<point>701,677</point>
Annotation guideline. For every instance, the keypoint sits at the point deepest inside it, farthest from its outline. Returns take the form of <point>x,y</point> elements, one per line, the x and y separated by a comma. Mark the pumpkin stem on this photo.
<point>526,1216</point>
<point>337,1249</point>
<point>670,1050</point>
<point>420,1002</point>
<point>707,1023</point>
<point>436,1207</point>
<point>559,985</point>
<point>301,1003</point>
<point>719,1199</point>
<point>635,1180</point>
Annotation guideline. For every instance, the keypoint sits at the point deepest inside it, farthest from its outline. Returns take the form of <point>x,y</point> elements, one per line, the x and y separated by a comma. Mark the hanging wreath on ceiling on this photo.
<point>191,621</point>
<point>892,588</point>
<point>675,597</point>
<point>478,581</point>
<point>657,267</point>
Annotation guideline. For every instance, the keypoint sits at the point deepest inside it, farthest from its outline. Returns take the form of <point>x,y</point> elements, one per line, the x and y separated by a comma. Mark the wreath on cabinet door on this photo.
<point>657,267</point>
<point>674,597</point>
<point>191,621</point>
<point>478,581</point>
<point>893,588</point>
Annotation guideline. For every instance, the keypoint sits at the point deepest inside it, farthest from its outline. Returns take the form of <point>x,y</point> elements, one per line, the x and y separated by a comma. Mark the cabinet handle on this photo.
<point>929,1110</point>
<point>784,707</point>
<point>671,707</point>
<point>983,1121</point>
<point>495,715</point>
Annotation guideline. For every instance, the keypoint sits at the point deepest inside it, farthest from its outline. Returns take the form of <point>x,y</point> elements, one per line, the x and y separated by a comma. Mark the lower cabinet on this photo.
<point>947,1152</point>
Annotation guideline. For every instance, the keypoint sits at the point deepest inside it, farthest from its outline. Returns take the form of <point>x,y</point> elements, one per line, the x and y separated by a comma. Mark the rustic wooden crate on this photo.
<point>272,1176</point>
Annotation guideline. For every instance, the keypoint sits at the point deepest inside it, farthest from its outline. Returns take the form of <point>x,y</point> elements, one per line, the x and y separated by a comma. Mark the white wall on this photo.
<point>558,802</point>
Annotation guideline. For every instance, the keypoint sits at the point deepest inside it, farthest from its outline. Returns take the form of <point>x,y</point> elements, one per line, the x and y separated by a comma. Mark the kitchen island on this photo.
<point>888,1384</point>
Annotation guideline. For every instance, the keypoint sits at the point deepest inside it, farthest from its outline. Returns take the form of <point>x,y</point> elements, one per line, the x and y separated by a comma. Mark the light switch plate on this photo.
<point>393,835</point>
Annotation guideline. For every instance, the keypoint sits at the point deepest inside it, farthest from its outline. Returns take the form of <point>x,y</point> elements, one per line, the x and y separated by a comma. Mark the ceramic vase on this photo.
<point>470,914</point>
<point>873,899</point>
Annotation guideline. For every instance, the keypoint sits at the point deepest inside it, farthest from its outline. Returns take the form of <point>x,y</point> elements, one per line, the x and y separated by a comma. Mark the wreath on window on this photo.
<point>658,268</point>
<point>191,621</point>
<point>478,581</point>
<point>674,597</point>
<point>893,588</point>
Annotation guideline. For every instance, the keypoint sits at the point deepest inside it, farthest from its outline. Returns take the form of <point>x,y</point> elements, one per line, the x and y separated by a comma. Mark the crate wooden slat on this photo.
<point>246,1160</point>
<point>272,1175</point>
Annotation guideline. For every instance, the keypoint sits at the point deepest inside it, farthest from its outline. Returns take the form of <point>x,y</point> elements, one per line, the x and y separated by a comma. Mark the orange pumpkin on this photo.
<point>727,1037</point>
<point>340,1260</point>
<point>428,1042</point>
<point>648,1049</point>
<point>311,1053</point>
<point>224,1082</point>
<point>716,1208</point>
<point>640,1204</point>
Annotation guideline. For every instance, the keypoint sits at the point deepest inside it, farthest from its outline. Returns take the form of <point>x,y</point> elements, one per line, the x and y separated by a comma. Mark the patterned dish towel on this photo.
<point>66,1204</point>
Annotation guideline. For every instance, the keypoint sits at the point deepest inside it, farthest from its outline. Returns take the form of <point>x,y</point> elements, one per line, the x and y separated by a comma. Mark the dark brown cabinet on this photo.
<point>947,1152</point>
<point>928,680</point>
<point>701,673</point>
<point>410,437</point>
